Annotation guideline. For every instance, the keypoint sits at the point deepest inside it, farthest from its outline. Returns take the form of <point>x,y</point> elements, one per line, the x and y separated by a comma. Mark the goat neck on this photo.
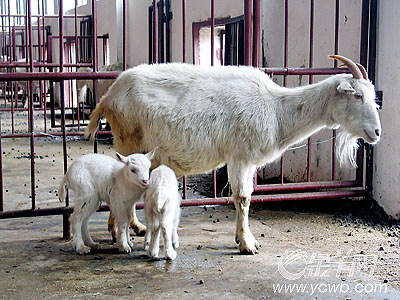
<point>304,111</point>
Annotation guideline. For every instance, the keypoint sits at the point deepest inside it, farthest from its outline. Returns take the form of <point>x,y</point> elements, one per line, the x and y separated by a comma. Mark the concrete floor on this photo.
<point>35,263</point>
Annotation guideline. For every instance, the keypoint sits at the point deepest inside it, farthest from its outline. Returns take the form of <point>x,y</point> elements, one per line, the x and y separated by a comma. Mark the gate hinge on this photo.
<point>379,98</point>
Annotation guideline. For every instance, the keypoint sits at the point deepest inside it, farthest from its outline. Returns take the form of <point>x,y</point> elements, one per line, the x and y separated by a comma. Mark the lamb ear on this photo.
<point>345,87</point>
<point>151,154</point>
<point>121,158</point>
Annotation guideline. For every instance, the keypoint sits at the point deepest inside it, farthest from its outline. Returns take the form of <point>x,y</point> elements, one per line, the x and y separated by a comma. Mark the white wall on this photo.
<point>387,154</point>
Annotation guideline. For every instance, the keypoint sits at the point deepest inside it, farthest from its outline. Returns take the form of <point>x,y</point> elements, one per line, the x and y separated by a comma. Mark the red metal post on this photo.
<point>247,32</point>
<point>124,8</point>
<point>335,66</point>
<point>183,30</point>
<point>212,31</point>
<point>31,125</point>
<point>256,32</point>
<point>285,65</point>
<point>155,32</point>
<point>310,79</point>
<point>1,173</point>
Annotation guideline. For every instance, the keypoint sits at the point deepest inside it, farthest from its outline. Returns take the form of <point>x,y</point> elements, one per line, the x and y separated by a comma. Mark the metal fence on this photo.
<point>37,49</point>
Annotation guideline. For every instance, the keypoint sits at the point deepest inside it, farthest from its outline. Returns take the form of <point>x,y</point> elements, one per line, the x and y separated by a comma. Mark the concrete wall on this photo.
<point>387,159</point>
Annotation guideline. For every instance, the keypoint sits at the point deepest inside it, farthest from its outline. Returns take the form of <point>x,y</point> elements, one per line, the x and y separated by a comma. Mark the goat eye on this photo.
<point>133,171</point>
<point>358,96</point>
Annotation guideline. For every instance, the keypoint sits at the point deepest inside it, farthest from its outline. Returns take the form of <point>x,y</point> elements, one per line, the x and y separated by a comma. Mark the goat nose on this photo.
<point>377,132</point>
<point>145,182</point>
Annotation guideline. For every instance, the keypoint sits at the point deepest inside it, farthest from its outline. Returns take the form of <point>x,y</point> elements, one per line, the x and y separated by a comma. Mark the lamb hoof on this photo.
<point>237,240</point>
<point>124,249</point>
<point>130,244</point>
<point>82,249</point>
<point>171,255</point>
<point>175,245</point>
<point>140,230</point>
<point>94,246</point>
<point>153,253</point>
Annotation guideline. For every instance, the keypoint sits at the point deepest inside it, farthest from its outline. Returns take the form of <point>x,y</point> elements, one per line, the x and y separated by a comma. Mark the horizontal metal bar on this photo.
<point>14,64</point>
<point>57,76</point>
<point>196,202</point>
<point>305,186</point>
<point>50,134</point>
<point>112,75</point>
<point>305,71</point>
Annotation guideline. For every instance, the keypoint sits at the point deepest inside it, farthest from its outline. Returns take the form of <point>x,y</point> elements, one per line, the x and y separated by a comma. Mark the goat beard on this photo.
<point>347,145</point>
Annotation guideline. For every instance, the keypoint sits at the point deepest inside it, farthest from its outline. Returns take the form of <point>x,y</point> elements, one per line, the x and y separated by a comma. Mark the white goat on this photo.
<point>162,210</point>
<point>96,178</point>
<point>203,117</point>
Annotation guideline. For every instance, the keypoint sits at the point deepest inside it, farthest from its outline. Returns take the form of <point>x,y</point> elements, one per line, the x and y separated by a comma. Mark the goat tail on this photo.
<point>161,200</point>
<point>95,117</point>
<point>62,190</point>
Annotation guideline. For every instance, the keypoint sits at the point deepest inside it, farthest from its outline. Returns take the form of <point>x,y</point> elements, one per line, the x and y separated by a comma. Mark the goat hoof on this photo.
<point>83,250</point>
<point>237,240</point>
<point>249,245</point>
<point>175,245</point>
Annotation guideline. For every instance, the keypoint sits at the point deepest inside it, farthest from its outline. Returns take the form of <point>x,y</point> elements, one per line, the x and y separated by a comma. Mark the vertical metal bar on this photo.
<point>212,31</point>
<point>247,32</point>
<point>183,30</point>
<point>66,224</point>
<point>285,65</point>
<point>336,50</point>
<point>184,180</point>
<point>9,33</point>
<point>44,59</point>
<point>40,58</point>
<point>31,125</point>
<point>256,32</point>
<point>168,30</point>
<point>310,79</point>
<point>1,173</point>
<point>124,35</point>
<point>212,63</point>
<point>95,56</point>
<point>371,75</point>
<point>77,61</point>
<point>155,32</point>
<point>161,31</point>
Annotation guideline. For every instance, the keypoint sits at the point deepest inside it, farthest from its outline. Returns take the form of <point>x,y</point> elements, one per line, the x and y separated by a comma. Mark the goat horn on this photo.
<point>363,71</point>
<point>350,64</point>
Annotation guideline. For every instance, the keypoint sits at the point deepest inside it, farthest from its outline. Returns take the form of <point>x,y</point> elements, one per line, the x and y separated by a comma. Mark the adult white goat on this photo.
<point>203,117</point>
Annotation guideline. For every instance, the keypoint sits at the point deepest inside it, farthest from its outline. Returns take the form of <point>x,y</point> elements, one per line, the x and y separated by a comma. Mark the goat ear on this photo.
<point>151,154</point>
<point>346,88</point>
<point>121,158</point>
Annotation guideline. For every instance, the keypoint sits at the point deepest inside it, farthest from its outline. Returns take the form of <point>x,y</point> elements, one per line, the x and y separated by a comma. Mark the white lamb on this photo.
<point>95,178</point>
<point>162,211</point>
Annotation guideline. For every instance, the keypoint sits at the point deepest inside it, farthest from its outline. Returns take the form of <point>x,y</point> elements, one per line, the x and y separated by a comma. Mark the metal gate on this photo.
<point>43,69</point>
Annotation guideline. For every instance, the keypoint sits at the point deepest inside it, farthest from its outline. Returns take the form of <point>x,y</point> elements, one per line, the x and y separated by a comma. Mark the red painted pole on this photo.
<point>256,32</point>
<point>247,32</point>
<point>155,32</point>
<point>124,22</point>
<point>183,30</point>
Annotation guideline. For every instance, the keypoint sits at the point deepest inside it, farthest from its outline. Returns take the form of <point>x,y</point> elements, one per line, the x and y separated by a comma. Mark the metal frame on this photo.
<point>276,192</point>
